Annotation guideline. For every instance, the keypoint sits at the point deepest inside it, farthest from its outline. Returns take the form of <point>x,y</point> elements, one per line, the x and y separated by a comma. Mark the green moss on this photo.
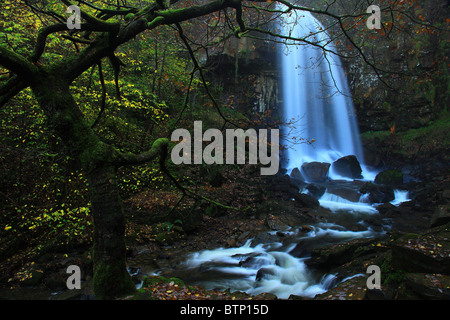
<point>389,177</point>
<point>438,127</point>
<point>150,282</point>
<point>372,135</point>
<point>112,281</point>
<point>387,106</point>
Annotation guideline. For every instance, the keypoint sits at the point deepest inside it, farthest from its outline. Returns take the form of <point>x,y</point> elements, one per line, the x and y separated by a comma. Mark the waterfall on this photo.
<point>316,96</point>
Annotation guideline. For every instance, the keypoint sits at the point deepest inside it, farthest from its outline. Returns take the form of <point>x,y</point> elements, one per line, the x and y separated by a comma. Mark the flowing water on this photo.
<point>278,266</point>
<point>317,98</point>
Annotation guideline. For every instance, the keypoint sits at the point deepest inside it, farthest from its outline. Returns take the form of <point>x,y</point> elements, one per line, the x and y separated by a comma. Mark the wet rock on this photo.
<point>253,261</point>
<point>231,242</point>
<point>441,216</point>
<point>427,286</point>
<point>296,176</point>
<point>424,253</point>
<point>351,289</point>
<point>316,171</point>
<point>347,166</point>
<point>275,223</point>
<point>265,273</point>
<point>389,177</point>
<point>388,210</point>
<point>315,190</point>
<point>347,193</point>
<point>306,200</point>
<point>377,193</point>
<point>339,254</point>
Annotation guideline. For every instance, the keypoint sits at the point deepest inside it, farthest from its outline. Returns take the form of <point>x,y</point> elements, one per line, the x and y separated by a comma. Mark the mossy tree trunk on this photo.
<point>111,278</point>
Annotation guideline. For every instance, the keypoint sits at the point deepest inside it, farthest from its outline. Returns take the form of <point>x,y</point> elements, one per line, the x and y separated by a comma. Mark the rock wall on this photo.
<point>247,75</point>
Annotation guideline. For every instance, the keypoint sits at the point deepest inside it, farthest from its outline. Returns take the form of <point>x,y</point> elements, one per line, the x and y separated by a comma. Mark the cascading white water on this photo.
<point>268,267</point>
<point>316,95</point>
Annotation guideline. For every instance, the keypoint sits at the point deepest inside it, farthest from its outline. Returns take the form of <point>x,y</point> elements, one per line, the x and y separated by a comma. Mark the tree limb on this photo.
<point>11,88</point>
<point>159,148</point>
<point>16,63</point>
<point>103,101</point>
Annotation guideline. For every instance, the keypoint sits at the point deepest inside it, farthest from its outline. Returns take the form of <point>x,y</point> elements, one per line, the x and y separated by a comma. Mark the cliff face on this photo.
<point>247,74</point>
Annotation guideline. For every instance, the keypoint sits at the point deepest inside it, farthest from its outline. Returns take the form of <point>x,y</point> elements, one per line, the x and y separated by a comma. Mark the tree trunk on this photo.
<point>111,278</point>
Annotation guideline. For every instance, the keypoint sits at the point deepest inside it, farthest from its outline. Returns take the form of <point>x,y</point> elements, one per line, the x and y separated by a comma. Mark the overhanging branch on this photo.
<point>16,63</point>
<point>159,148</point>
<point>11,88</point>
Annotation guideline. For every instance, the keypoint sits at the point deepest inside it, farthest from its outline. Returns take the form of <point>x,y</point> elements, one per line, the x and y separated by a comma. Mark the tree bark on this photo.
<point>111,278</point>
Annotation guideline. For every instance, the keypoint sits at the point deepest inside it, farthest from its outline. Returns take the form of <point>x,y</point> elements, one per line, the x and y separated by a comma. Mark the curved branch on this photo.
<point>11,88</point>
<point>159,148</point>
<point>42,37</point>
<point>16,63</point>
<point>45,32</point>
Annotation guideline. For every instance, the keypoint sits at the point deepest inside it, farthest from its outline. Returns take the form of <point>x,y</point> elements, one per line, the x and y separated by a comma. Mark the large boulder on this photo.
<point>425,253</point>
<point>316,191</point>
<point>377,193</point>
<point>339,253</point>
<point>316,171</point>
<point>350,194</point>
<point>296,176</point>
<point>427,286</point>
<point>389,177</point>
<point>441,216</point>
<point>348,167</point>
<point>305,200</point>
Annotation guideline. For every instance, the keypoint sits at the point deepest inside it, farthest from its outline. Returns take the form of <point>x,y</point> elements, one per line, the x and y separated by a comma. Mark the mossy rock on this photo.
<point>168,237</point>
<point>389,177</point>
<point>151,281</point>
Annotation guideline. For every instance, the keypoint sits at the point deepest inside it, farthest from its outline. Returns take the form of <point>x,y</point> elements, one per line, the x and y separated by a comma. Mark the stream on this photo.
<point>272,264</point>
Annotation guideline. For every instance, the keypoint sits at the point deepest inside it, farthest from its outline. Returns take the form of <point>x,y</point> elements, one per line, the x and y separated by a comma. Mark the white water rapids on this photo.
<point>270,267</point>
